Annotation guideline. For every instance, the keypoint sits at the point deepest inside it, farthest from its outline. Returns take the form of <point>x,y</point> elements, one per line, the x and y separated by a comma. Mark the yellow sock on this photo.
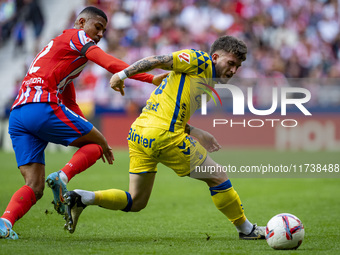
<point>113,199</point>
<point>228,202</point>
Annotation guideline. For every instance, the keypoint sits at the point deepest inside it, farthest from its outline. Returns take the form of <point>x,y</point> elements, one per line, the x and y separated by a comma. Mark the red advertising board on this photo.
<point>316,132</point>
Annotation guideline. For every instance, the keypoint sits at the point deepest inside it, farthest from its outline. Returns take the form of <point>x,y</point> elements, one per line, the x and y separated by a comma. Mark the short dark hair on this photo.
<point>91,10</point>
<point>230,44</point>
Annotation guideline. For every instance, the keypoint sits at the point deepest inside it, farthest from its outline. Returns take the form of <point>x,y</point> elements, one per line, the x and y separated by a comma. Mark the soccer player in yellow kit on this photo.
<point>161,134</point>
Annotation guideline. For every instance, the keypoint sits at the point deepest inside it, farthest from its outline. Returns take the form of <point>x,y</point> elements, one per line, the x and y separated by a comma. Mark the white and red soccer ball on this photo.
<point>284,232</point>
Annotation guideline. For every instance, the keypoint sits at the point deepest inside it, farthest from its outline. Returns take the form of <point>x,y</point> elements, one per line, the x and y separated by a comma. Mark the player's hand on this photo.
<point>207,140</point>
<point>117,84</point>
<point>108,154</point>
<point>211,144</point>
<point>157,79</point>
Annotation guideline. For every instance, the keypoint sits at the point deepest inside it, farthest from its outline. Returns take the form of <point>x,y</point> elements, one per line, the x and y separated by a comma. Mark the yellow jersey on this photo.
<point>179,95</point>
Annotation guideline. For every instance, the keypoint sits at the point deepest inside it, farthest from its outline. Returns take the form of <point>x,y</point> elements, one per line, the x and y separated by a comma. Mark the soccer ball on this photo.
<point>284,232</point>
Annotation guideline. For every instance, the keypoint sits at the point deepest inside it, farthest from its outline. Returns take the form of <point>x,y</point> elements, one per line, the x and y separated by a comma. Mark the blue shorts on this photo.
<point>32,126</point>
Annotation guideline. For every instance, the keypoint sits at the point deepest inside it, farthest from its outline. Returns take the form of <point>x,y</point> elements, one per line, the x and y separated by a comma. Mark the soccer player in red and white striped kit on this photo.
<point>45,110</point>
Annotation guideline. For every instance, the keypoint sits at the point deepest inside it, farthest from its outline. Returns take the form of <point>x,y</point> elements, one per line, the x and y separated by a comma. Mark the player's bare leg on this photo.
<point>34,176</point>
<point>140,188</point>
<point>95,137</point>
<point>228,202</point>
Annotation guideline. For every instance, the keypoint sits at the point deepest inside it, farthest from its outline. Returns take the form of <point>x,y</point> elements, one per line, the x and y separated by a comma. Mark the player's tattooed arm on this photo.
<point>164,62</point>
<point>146,64</point>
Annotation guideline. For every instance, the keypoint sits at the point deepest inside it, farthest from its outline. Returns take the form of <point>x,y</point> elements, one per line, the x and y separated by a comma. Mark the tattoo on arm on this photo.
<point>164,62</point>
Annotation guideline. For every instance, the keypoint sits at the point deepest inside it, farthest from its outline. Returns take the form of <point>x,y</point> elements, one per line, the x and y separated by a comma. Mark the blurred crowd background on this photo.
<point>289,42</point>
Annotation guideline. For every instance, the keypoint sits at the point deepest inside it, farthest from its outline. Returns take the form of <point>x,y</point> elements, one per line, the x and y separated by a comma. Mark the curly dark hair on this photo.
<point>230,44</point>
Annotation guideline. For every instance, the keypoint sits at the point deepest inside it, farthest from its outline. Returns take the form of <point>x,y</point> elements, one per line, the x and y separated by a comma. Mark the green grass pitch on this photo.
<point>180,217</point>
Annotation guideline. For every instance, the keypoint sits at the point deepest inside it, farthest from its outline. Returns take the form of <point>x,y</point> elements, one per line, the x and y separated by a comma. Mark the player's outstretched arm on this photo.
<point>207,140</point>
<point>113,64</point>
<point>164,62</point>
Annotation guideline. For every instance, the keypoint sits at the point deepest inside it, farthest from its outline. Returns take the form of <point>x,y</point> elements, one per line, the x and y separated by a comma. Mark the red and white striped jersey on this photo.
<point>54,67</point>
<point>61,61</point>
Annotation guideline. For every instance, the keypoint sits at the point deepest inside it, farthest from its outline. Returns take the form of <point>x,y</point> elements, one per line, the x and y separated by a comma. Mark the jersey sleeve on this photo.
<point>81,42</point>
<point>113,64</point>
<point>184,62</point>
<point>194,62</point>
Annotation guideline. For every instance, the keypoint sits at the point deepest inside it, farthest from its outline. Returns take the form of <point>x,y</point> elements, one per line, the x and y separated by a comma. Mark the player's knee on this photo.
<point>137,209</point>
<point>138,206</point>
<point>99,150</point>
<point>92,149</point>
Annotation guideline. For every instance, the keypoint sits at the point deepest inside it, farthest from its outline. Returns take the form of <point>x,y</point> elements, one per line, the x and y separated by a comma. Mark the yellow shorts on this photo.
<point>150,146</point>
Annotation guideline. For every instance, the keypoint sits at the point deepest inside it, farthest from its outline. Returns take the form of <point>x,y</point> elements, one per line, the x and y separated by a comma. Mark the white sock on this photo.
<point>8,222</point>
<point>63,177</point>
<point>87,197</point>
<point>245,228</point>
